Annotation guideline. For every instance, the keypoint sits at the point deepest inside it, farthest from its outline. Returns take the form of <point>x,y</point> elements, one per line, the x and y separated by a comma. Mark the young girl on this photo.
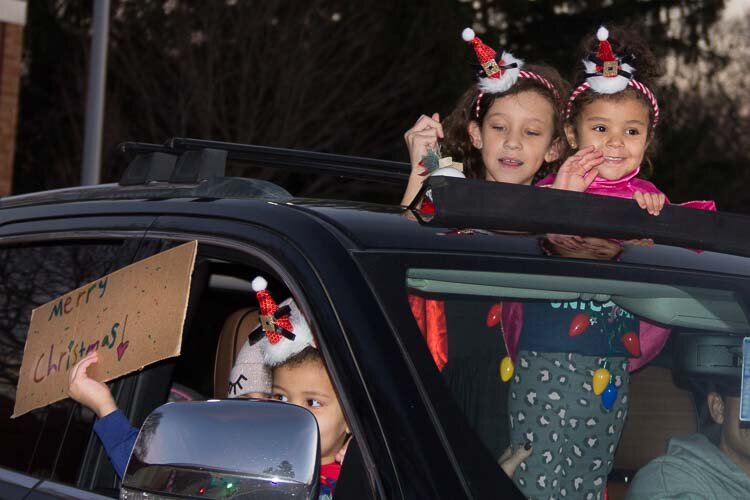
<point>504,128</point>
<point>569,393</point>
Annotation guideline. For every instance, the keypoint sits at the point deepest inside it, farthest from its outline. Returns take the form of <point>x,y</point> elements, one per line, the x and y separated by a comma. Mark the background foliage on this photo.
<point>351,77</point>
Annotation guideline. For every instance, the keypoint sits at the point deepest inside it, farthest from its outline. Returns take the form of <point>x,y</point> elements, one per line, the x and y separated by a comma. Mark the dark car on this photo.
<point>422,429</point>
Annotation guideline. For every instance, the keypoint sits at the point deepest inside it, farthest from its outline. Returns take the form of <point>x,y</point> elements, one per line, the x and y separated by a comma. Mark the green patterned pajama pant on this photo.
<point>552,404</point>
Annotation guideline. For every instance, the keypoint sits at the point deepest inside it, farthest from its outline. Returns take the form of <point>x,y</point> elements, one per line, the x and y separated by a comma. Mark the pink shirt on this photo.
<point>627,186</point>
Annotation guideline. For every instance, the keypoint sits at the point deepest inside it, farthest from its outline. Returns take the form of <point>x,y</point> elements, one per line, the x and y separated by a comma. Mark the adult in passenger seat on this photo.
<point>696,468</point>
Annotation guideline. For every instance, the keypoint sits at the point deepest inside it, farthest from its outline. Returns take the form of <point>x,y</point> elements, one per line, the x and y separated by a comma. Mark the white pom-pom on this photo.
<point>602,34</point>
<point>468,34</point>
<point>259,284</point>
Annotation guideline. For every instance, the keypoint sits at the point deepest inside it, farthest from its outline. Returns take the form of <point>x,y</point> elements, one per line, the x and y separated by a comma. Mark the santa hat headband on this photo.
<point>286,331</point>
<point>607,73</point>
<point>500,72</point>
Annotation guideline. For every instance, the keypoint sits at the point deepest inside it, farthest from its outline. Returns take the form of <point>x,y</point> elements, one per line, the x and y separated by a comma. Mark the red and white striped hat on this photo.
<point>286,330</point>
<point>608,73</point>
<point>500,74</point>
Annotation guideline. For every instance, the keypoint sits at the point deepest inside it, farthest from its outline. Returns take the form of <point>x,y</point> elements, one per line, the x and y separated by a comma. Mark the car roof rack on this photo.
<point>191,160</point>
<point>476,204</point>
<point>196,168</point>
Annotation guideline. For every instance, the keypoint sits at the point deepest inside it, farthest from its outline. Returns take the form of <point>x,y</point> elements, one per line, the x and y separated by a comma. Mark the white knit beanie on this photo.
<point>249,373</point>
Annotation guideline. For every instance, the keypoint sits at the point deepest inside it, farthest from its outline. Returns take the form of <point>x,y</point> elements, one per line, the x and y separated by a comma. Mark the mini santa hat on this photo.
<point>607,73</point>
<point>500,74</point>
<point>286,331</point>
<point>249,373</point>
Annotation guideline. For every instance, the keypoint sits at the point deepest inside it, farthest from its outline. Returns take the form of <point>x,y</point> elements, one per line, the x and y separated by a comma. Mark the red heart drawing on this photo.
<point>121,349</point>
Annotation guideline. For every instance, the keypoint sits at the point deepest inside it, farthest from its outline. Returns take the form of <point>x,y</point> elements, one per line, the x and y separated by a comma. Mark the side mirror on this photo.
<point>222,449</point>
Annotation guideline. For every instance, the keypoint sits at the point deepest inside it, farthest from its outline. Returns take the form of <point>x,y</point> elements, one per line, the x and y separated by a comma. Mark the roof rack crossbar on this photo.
<point>286,159</point>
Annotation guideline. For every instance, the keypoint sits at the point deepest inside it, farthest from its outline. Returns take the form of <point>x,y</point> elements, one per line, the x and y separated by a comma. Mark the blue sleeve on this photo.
<point>118,438</point>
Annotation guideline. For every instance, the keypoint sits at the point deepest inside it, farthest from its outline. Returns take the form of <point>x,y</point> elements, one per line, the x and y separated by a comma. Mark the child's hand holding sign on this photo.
<point>89,392</point>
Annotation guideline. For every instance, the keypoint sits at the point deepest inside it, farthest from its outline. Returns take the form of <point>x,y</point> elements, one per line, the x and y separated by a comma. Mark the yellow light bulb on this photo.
<point>600,380</point>
<point>506,368</point>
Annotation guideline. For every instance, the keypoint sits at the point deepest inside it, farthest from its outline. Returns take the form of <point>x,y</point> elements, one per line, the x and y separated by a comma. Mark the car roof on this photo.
<point>185,170</point>
<point>366,226</point>
<point>389,228</point>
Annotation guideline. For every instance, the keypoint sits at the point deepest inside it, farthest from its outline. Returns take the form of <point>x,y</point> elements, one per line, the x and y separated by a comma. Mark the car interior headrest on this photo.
<point>233,335</point>
<point>701,357</point>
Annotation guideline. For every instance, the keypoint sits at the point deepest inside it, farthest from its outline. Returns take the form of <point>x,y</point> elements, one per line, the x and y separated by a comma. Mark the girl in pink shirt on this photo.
<point>571,360</point>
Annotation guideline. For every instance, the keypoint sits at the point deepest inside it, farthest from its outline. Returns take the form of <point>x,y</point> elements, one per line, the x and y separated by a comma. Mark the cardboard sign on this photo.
<point>133,317</point>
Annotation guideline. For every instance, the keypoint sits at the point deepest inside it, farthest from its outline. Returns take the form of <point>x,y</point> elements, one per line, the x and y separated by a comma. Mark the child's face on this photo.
<point>308,385</point>
<point>515,137</point>
<point>618,128</point>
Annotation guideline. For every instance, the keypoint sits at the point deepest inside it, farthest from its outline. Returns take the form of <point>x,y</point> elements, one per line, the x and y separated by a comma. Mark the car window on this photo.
<point>31,276</point>
<point>222,313</point>
<point>56,442</point>
<point>471,320</point>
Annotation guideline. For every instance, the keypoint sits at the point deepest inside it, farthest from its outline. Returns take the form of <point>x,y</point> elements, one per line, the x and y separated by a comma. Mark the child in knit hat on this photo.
<point>281,350</point>
<point>300,378</point>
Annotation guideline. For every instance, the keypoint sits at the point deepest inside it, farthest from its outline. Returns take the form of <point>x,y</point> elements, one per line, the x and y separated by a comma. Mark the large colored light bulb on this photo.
<point>506,368</point>
<point>579,324</point>
<point>632,344</point>
<point>494,315</point>
<point>609,396</point>
<point>600,380</point>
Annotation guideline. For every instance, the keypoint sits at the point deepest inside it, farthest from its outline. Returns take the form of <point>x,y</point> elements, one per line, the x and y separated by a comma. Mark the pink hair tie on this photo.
<point>479,102</point>
<point>523,74</point>
<point>631,83</point>
<point>539,78</point>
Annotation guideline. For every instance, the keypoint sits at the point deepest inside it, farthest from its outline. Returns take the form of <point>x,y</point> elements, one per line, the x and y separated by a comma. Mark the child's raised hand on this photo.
<point>651,202</point>
<point>422,136</point>
<point>89,392</point>
<point>579,171</point>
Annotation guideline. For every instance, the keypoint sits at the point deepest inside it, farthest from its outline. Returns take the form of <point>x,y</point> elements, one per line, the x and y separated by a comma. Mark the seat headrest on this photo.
<point>233,335</point>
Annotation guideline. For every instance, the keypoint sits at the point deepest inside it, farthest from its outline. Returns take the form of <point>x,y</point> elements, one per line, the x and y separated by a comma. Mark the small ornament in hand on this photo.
<point>435,165</point>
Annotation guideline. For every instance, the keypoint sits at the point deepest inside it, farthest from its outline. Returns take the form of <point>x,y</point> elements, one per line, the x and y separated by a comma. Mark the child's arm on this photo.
<point>423,135</point>
<point>113,429</point>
